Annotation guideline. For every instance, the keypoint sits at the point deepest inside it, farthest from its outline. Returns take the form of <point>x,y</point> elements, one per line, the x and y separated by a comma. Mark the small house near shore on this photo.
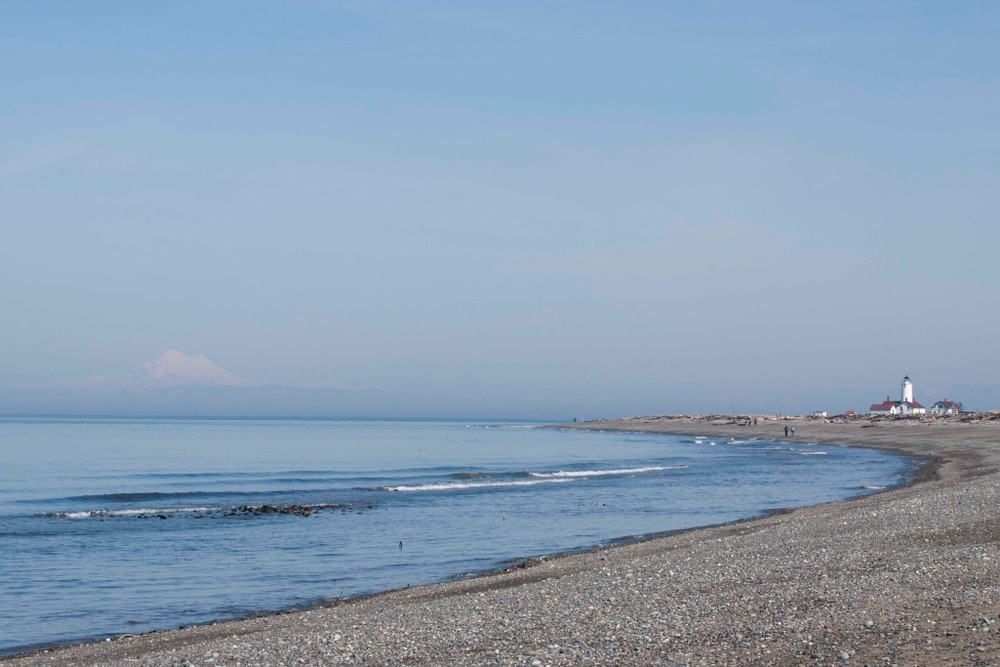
<point>946,407</point>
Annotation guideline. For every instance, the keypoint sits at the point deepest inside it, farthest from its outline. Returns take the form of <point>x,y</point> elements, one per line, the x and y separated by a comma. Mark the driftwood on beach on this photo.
<point>910,576</point>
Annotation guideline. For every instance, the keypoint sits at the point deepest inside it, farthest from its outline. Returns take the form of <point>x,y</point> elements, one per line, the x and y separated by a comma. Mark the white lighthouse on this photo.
<point>907,393</point>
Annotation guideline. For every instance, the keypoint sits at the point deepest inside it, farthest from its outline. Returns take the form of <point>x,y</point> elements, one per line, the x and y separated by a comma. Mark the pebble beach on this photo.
<point>909,576</point>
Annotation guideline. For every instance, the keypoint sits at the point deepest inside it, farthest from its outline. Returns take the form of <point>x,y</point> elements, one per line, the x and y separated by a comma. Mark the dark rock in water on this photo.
<point>261,510</point>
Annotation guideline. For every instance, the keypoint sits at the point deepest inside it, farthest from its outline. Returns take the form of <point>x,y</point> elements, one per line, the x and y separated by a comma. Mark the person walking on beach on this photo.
<point>786,431</point>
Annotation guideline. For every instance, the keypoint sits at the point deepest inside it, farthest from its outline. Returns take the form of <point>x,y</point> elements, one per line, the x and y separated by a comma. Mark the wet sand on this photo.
<point>910,576</point>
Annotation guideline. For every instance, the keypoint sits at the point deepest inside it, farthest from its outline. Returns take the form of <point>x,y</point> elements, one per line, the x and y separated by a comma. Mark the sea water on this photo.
<point>113,526</point>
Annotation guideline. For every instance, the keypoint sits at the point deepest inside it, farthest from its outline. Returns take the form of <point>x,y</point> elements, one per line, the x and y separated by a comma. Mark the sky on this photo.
<point>499,209</point>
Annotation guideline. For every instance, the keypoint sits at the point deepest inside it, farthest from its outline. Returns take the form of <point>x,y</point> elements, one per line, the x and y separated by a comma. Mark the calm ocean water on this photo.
<point>111,526</point>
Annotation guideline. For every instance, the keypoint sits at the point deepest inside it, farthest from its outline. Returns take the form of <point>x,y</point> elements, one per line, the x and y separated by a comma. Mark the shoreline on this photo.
<point>909,575</point>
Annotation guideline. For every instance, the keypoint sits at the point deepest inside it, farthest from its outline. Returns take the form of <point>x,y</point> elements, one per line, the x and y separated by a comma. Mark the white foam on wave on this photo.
<point>603,473</point>
<point>451,486</point>
<point>813,453</point>
<point>90,514</point>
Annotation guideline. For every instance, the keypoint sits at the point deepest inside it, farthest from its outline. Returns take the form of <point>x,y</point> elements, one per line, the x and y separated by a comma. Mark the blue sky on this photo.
<point>505,209</point>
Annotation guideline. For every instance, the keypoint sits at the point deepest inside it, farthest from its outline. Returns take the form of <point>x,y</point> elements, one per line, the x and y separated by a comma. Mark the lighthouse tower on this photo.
<point>907,393</point>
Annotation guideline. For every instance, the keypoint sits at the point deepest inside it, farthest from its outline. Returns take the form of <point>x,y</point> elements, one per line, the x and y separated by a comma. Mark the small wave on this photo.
<point>91,514</point>
<point>603,473</point>
<point>241,510</point>
<point>471,475</point>
<point>453,486</point>
<point>131,497</point>
<point>872,487</point>
<point>812,453</point>
<point>166,496</point>
<point>182,475</point>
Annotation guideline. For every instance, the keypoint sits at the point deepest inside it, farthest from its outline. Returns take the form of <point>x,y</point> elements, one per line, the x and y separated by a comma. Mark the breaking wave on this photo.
<point>451,486</point>
<point>604,473</point>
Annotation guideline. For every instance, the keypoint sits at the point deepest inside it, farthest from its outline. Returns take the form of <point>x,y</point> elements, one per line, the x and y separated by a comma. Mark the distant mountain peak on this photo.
<point>173,368</point>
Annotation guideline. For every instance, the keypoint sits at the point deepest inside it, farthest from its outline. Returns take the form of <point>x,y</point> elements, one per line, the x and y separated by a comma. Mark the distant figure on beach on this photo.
<point>786,431</point>
<point>401,545</point>
<point>793,431</point>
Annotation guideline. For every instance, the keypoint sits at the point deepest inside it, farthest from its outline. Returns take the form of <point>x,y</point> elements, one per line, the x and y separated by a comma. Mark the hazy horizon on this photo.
<point>152,392</point>
<point>521,210</point>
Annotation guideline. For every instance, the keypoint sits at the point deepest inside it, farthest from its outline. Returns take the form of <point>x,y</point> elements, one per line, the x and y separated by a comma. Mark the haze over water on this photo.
<point>111,526</point>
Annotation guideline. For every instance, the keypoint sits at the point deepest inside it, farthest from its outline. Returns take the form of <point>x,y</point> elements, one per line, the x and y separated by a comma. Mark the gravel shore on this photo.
<point>905,577</point>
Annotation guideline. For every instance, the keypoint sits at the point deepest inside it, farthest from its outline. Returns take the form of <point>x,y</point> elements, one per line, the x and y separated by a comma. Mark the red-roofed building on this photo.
<point>887,407</point>
<point>946,407</point>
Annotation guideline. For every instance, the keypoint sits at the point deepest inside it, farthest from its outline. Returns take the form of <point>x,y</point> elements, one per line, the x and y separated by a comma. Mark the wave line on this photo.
<point>451,486</point>
<point>604,473</point>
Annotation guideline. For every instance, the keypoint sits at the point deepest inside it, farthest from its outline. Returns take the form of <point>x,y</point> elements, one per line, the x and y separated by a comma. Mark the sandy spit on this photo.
<point>910,576</point>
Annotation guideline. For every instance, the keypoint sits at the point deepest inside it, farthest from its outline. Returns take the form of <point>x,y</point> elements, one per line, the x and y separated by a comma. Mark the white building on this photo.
<point>945,407</point>
<point>904,406</point>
